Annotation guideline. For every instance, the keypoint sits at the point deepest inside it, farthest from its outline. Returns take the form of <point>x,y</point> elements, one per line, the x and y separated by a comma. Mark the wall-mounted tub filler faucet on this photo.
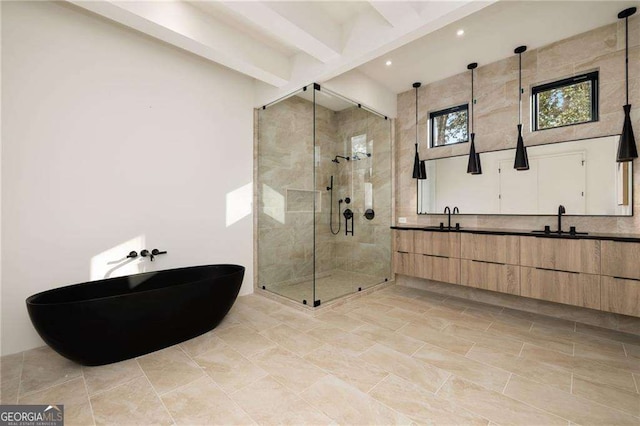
<point>151,254</point>
<point>561,211</point>
<point>132,255</point>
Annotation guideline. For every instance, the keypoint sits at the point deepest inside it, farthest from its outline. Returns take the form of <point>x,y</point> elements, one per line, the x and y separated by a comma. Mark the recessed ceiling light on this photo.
<point>460,32</point>
<point>388,63</point>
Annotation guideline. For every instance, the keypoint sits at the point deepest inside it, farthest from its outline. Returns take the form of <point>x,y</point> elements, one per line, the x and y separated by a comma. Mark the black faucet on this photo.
<point>561,211</point>
<point>447,210</point>
<point>145,253</point>
<point>456,211</point>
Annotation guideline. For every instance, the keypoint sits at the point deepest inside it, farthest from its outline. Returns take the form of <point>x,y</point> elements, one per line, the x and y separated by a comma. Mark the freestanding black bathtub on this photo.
<point>110,320</point>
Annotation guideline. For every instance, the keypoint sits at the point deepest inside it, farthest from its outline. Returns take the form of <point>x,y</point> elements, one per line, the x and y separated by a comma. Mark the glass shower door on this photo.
<point>286,197</point>
<point>352,172</point>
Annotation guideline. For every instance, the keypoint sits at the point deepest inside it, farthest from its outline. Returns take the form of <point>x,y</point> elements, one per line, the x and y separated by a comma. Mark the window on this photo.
<point>449,126</point>
<point>565,102</point>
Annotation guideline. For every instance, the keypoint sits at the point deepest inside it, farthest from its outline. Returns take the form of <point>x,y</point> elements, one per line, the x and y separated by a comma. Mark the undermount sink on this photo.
<point>549,232</point>
<point>443,227</point>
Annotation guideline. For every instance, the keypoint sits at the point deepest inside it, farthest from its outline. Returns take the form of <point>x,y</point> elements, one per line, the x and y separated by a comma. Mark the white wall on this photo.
<point>114,142</point>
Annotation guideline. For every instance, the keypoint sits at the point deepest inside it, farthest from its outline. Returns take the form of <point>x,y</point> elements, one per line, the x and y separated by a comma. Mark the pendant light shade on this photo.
<point>627,149</point>
<point>419,168</point>
<point>416,165</point>
<point>522,159</point>
<point>473,167</point>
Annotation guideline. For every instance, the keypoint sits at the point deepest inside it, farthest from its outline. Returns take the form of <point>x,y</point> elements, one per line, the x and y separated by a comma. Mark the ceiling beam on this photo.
<point>184,26</point>
<point>397,14</point>
<point>289,27</point>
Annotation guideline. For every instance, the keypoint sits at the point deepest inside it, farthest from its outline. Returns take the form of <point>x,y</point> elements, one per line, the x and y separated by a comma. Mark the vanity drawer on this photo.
<point>491,248</point>
<point>620,259</point>
<point>404,263</point>
<point>490,276</point>
<point>438,268</point>
<point>561,254</point>
<point>562,287</point>
<point>621,296</point>
<point>438,243</point>
<point>404,240</point>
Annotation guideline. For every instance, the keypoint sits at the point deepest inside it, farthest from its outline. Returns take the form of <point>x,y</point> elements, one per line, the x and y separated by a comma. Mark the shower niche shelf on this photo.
<point>301,200</point>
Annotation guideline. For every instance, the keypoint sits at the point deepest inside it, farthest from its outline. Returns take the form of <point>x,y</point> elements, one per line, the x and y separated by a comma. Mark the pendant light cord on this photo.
<point>473,128</point>
<point>416,119</point>
<point>626,54</point>
<point>519,88</point>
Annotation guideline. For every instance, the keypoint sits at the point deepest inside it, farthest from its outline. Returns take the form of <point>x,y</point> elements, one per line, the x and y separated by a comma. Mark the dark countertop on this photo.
<point>632,238</point>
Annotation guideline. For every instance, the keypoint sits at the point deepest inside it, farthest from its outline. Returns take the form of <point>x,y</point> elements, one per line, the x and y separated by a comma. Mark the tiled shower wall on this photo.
<point>285,182</point>
<point>368,251</point>
<point>496,116</point>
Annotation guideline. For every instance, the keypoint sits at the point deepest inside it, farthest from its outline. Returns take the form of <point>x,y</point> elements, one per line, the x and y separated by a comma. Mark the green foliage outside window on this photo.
<point>450,128</point>
<point>564,105</point>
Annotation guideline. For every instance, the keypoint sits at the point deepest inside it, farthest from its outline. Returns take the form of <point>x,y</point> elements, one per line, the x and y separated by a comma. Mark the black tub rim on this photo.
<point>30,301</point>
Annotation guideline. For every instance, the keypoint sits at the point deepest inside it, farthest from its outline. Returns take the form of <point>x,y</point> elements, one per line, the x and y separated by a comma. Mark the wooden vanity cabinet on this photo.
<point>491,248</point>
<point>590,273</point>
<point>490,276</point>
<point>570,288</point>
<point>573,255</point>
<point>621,277</point>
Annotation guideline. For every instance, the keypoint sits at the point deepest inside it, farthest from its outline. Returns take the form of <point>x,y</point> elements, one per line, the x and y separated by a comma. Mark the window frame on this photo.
<point>592,76</point>
<point>435,114</point>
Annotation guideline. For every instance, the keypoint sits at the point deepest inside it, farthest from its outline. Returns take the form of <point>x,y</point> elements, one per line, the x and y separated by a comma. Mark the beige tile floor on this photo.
<point>336,284</point>
<point>396,356</point>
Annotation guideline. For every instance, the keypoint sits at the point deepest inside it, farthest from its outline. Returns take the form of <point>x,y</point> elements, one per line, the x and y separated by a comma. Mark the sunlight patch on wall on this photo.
<point>239,202</point>
<point>114,262</point>
<point>273,203</point>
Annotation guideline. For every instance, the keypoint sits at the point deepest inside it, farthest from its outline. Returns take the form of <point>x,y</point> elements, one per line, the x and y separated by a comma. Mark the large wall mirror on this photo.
<point>581,175</point>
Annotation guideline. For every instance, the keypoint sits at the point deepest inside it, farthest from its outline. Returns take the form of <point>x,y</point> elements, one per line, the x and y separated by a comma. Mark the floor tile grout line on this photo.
<point>506,384</point>
<point>534,406</point>
<point>221,388</point>
<point>579,397</point>
<point>521,350</point>
<point>376,385</point>
<point>144,374</point>
<point>418,350</point>
<point>635,382</point>
<point>624,348</point>
<point>48,387</point>
<point>571,386</point>
<point>86,388</point>
<point>91,395</point>
<point>443,383</point>
<point>467,352</point>
<point>20,377</point>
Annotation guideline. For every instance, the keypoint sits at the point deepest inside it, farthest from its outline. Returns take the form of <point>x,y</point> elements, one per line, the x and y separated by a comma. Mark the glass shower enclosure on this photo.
<point>323,197</point>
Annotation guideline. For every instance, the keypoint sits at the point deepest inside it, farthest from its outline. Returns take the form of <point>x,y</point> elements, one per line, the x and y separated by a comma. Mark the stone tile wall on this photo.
<point>496,116</point>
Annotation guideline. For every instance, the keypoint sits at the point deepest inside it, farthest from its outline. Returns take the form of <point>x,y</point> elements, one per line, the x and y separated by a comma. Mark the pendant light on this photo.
<point>419,168</point>
<point>473,166</point>
<point>522,160</point>
<point>627,150</point>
